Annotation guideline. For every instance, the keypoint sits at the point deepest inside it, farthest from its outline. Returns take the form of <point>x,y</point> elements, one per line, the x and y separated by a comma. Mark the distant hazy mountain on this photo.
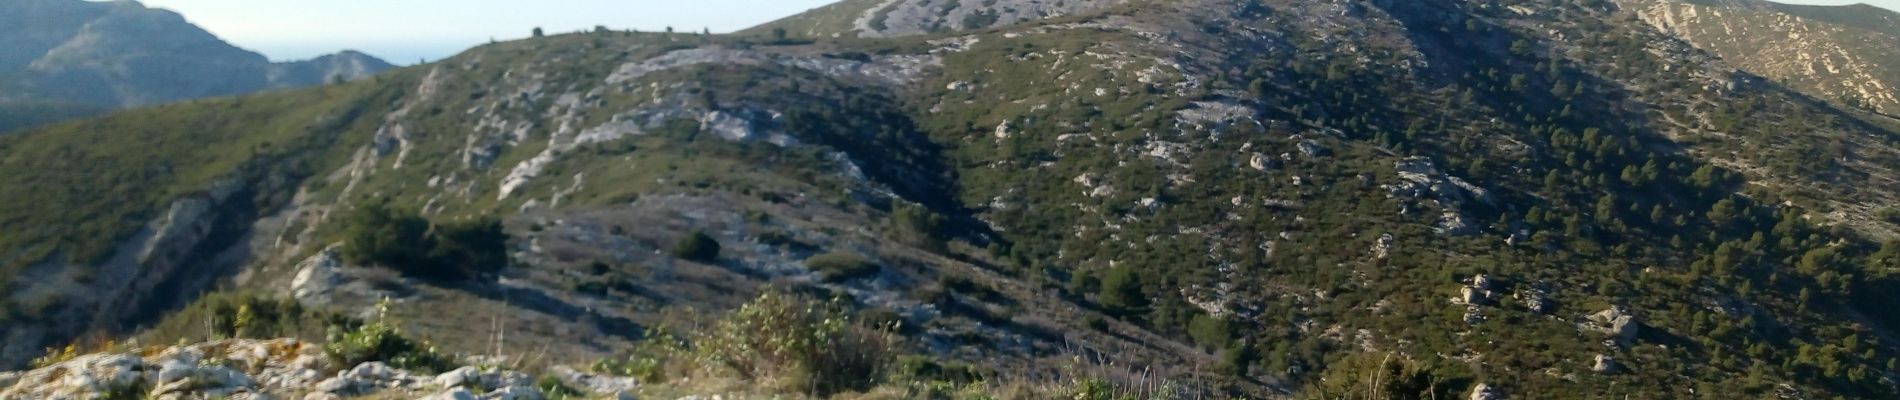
<point>73,57</point>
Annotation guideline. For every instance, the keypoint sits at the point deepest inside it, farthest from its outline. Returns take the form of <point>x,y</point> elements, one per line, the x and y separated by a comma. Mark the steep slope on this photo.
<point>1542,199</point>
<point>1846,54</point>
<point>120,54</point>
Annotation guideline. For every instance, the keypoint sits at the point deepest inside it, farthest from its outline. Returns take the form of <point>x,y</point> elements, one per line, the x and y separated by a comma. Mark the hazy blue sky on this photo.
<point>404,31</point>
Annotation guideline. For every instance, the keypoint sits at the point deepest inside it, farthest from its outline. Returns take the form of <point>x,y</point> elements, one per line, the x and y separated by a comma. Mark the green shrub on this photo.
<point>1122,293</point>
<point>697,247</point>
<point>553,388</point>
<point>1383,376</point>
<point>840,266</point>
<point>404,241</point>
<point>382,341</point>
<point>646,369</point>
<point>1093,389</point>
<point>918,226</point>
<point>466,250</point>
<point>378,234</point>
<point>800,345</point>
<point>1210,332</point>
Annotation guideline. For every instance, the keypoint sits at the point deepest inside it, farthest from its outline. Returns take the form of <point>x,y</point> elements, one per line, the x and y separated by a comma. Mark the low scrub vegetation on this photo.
<point>799,345</point>
<point>840,266</point>
<point>381,340</point>
<point>780,342</point>
<point>242,315</point>
<point>697,247</point>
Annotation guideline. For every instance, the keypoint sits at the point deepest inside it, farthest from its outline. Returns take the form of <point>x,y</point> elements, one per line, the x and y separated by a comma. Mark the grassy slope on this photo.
<point>78,187</point>
<point>21,115</point>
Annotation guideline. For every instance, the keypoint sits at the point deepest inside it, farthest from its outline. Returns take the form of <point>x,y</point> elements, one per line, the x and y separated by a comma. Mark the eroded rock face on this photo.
<point>171,245</point>
<point>1420,181</point>
<point>317,277</point>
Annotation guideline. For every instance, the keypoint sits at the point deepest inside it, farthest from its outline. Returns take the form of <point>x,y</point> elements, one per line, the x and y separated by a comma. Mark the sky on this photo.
<point>408,31</point>
<point>1888,4</point>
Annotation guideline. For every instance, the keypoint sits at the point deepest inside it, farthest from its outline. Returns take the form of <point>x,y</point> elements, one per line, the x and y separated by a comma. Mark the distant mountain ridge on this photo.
<point>77,54</point>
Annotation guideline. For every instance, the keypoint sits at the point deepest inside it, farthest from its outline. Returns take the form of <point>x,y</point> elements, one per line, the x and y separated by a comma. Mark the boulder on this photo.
<point>1535,300</point>
<point>1262,162</point>
<point>1483,282</point>
<point>460,377</point>
<point>1617,323</point>
<point>518,392</point>
<point>1383,248</point>
<point>338,385</point>
<point>452,394</point>
<point>507,378</point>
<point>592,383</point>
<point>1604,365</point>
<point>373,371</point>
<point>205,379</point>
<point>1454,223</point>
<point>1518,238</point>
<point>1485,392</point>
<point>1312,148</point>
<point>1470,295</point>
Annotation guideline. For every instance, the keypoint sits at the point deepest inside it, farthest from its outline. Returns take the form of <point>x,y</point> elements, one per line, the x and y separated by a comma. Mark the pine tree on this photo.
<point>1122,293</point>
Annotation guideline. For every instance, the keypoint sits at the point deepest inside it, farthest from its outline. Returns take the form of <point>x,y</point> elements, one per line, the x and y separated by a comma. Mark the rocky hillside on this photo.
<point>272,369</point>
<point>893,18</point>
<point>91,55</point>
<point>1265,198</point>
<point>1844,54</point>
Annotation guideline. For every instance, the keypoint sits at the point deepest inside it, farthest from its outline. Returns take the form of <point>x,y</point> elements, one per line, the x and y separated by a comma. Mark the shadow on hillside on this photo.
<point>538,301</point>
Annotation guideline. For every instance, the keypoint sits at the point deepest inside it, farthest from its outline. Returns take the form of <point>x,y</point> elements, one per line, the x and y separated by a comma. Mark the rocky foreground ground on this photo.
<point>241,369</point>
